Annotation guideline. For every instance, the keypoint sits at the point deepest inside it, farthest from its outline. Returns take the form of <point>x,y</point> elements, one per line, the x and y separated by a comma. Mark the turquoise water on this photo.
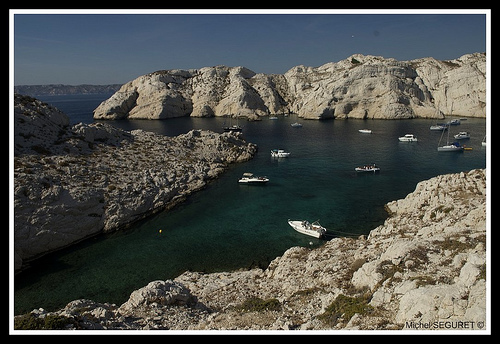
<point>229,226</point>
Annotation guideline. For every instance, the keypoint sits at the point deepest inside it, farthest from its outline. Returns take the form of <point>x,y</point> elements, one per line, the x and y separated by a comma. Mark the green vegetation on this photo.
<point>256,304</point>
<point>49,322</point>
<point>345,307</point>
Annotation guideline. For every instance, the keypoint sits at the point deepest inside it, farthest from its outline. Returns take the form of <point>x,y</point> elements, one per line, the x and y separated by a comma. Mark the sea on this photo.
<point>228,226</point>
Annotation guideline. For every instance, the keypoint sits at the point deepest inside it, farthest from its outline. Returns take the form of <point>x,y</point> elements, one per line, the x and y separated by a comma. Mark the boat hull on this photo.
<point>450,149</point>
<point>299,227</point>
<point>253,181</point>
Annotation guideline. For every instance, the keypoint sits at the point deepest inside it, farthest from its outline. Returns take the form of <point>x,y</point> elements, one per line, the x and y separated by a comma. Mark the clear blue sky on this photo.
<point>116,48</point>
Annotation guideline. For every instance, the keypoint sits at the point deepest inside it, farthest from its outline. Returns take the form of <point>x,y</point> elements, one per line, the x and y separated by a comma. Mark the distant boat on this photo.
<point>250,178</point>
<point>305,227</point>
<point>367,168</point>
<point>296,125</point>
<point>273,117</point>
<point>408,138</point>
<point>453,147</point>
<point>233,127</point>
<point>279,153</point>
<point>483,143</point>
<point>454,122</point>
<point>462,135</point>
<point>365,131</point>
<point>439,127</point>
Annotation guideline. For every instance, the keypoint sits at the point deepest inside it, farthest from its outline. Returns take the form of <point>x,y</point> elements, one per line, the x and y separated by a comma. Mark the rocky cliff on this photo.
<point>424,268</point>
<point>357,87</point>
<point>71,182</point>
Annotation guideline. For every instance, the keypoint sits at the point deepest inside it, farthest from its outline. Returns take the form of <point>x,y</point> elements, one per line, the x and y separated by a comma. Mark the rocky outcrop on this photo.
<point>71,182</point>
<point>357,87</point>
<point>424,268</point>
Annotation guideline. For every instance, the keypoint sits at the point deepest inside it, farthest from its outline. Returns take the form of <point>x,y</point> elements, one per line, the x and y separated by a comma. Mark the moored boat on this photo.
<point>454,147</point>
<point>408,138</point>
<point>250,178</point>
<point>365,131</point>
<point>439,127</point>
<point>462,135</point>
<point>367,168</point>
<point>296,125</point>
<point>279,153</point>
<point>233,128</point>
<point>305,227</point>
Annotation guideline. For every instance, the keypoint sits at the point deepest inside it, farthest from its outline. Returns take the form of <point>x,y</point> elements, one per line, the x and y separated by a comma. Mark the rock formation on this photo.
<point>424,268</point>
<point>71,182</point>
<point>357,87</point>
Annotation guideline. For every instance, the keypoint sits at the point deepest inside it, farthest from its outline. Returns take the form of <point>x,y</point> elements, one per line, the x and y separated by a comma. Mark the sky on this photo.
<point>93,47</point>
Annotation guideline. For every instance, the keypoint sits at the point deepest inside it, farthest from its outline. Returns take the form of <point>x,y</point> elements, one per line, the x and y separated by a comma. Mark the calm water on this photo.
<point>229,226</point>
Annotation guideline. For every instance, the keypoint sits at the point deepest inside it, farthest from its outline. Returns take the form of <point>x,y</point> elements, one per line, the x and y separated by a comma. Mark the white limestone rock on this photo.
<point>357,87</point>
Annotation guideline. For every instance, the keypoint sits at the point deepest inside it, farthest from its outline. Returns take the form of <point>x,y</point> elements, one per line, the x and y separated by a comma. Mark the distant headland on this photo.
<point>60,89</point>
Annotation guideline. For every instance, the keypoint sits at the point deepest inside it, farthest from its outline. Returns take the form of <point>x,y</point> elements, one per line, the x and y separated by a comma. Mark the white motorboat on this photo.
<point>483,143</point>
<point>250,178</point>
<point>408,138</point>
<point>367,168</point>
<point>305,227</point>
<point>365,131</point>
<point>439,127</point>
<point>233,128</point>
<point>279,153</point>
<point>296,125</point>
<point>462,135</point>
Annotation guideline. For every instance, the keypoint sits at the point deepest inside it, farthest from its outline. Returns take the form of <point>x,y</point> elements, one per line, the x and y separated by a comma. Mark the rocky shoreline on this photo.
<point>423,269</point>
<point>73,182</point>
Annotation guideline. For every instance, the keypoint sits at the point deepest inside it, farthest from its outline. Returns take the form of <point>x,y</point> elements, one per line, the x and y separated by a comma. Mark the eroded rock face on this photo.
<point>71,182</point>
<point>357,87</point>
<point>425,265</point>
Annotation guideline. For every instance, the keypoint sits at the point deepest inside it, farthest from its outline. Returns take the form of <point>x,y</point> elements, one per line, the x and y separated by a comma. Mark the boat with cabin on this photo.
<point>462,135</point>
<point>279,153</point>
<point>367,168</point>
<point>408,138</point>
<point>305,227</point>
<point>250,178</point>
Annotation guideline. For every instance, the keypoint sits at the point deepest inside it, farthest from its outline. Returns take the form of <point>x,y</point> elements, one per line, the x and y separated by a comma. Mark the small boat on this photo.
<point>408,138</point>
<point>279,153</point>
<point>454,147</point>
<point>367,168</point>
<point>305,227</point>
<point>365,131</point>
<point>483,143</point>
<point>233,128</point>
<point>273,117</point>
<point>296,125</point>
<point>454,122</point>
<point>462,135</point>
<point>439,127</point>
<point>250,178</point>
